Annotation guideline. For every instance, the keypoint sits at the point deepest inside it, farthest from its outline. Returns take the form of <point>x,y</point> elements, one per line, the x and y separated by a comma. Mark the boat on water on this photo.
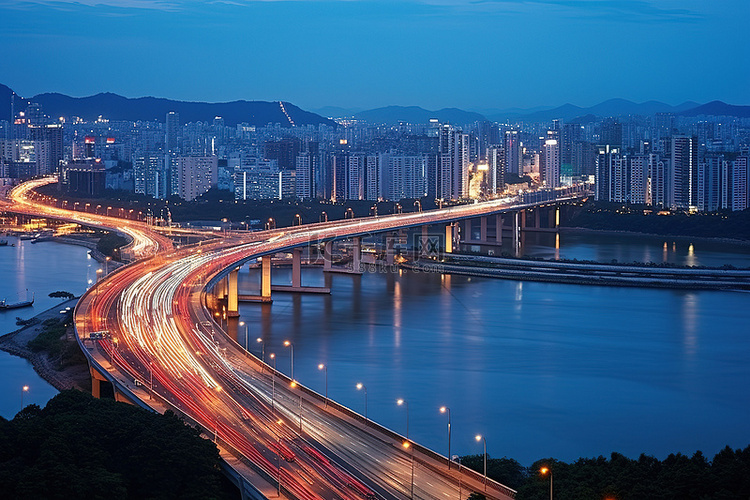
<point>4,305</point>
<point>3,243</point>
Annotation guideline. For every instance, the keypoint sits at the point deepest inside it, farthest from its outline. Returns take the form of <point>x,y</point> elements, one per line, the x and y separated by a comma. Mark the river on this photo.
<point>540,369</point>
<point>40,269</point>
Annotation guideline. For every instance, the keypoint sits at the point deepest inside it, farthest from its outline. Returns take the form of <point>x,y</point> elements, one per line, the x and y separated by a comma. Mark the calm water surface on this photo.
<point>540,369</point>
<point>41,269</point>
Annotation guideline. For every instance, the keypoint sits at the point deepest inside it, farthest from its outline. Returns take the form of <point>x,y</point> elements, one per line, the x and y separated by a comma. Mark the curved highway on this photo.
<point>159,334</point>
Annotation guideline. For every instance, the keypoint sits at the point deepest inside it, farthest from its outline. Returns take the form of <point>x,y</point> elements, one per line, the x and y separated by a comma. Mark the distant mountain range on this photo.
<point>116,107</point>
<point>259,113</point>
<point>391,115</point>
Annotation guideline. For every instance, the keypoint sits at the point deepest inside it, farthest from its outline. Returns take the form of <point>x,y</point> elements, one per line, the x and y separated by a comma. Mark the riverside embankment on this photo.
<point>588,273</point>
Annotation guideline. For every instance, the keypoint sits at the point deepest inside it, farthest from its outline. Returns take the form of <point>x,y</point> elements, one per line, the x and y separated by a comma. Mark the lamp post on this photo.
<point>418,204</point>
<point>323,367</point>
<point>291,358</point>
<point>479,437</point>
<point>445,409</point>
<point>360,387</point>
<point>273,382</point>
<point>323,217</point>
<point>408,445</point>
<point>458,459</point>
<point>297,220</point>
<point>406,404</point>
<point>151,375</point>
<point>24,390</point>
<point>242,323</point>
<point>543,471</point>
<point>262,348</point>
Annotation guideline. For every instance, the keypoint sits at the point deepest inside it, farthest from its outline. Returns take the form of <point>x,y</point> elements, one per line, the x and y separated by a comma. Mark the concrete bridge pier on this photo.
<point>99,383</point>
<point>390,251</point>
<point>327,255</point>
<point>449,238</point>
<point>233,294</point>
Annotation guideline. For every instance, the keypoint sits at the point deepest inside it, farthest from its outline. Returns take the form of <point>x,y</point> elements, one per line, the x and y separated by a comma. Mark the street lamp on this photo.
<point>407,444</point>
<point>323,367</point>
<point>291,358</point>
<point>360,387</point>
<point>406,404</point>
<point>543,471</point>
<point>262,348</point>
<point>273,382</point>
<point>242,323</point>
<point>323,217</point>
<point>297,220</point>
<point>479,437</point>
<point>24,390</point>
<point>349,212</point>
<point>445,409</point>
<point>419,205</point>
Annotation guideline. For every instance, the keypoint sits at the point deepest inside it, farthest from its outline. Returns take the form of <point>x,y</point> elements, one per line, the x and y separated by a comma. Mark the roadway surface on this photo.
<point>161,334</point>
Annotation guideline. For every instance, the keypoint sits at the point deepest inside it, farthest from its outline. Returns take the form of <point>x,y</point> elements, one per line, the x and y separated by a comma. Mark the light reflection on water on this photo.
<point>541,369</point>
<point>41,269</point>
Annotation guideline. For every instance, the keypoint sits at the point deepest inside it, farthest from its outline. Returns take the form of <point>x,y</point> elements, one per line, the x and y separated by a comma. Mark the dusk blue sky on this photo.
<point>472,54</point>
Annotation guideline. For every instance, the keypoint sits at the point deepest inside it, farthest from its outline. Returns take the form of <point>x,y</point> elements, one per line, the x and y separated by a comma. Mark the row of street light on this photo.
<point>362,387</point>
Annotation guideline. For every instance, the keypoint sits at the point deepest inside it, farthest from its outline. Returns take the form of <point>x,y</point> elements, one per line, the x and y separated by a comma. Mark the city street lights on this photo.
<point>273,382</point>
<point>323,217</point>
<point>360,387</point>
<point>24,390</point>
<point>543,471</point>
<point>349,213</point>
<point>297,220</point>
<point>242,323</point>
<point>479,437</point>
<point>406,404</point>
<point>323,367</point>
<point>418,204</point>
<point>408,445</point>
<point>291,358</point>
<point>262,348</point>
<point>445,409</point>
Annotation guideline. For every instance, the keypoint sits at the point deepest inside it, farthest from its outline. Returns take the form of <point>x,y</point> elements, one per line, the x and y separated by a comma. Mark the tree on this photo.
<point>60,294</point>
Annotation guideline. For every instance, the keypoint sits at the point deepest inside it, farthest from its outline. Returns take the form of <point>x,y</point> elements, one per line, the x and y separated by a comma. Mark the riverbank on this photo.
<point>587,273</point>
<point>609,232</point>
<point>75,376</point>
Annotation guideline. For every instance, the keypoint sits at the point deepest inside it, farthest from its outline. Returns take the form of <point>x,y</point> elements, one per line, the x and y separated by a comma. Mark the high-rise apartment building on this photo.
<point>513,152</point>
<point>682,187</point>
<point>196,175</point>
<point>551,175</point>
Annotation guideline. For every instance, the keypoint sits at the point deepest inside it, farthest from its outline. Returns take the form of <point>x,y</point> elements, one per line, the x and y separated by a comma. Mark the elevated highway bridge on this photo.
<point>163,349</point>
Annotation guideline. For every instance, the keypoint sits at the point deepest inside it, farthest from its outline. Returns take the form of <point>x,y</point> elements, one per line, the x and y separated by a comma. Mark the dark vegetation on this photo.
<point>61,294</point>
<point>109,244</point>
<point>52,341</point>
<point>618,217</point>
<point>81,447</point>
<point>676,477</point>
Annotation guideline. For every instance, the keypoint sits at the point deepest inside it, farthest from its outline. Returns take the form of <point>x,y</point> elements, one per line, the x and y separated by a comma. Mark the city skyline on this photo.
<point>369,54</point>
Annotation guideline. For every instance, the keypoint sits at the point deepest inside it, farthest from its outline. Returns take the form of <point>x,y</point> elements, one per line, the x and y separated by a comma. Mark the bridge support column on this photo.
<point>449,238</point>
<point>265,277</point>
<point>516,228</point>
<point>297,268</point>
<point>327,255</point>
<point>555,219</point>
<point>233,294</point>
<point>483,229</point>
<point>499,229</point>
<point>97,379</point>
<point>356,254</point>
<point>538,218</point>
